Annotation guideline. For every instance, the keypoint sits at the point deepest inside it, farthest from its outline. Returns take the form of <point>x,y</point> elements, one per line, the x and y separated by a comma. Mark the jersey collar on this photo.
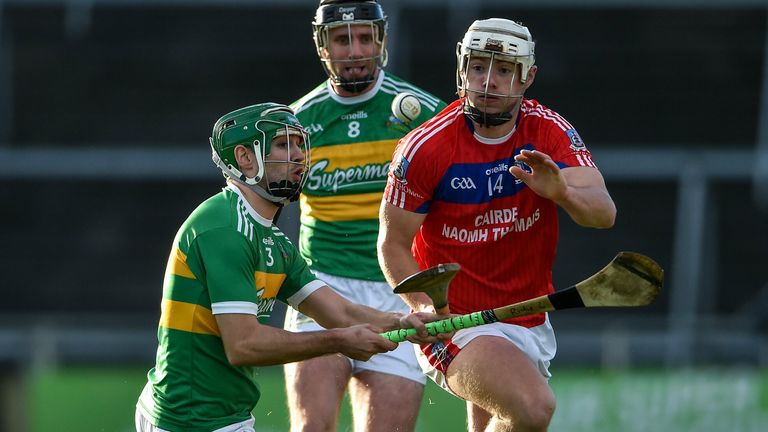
<point>257,217</point>
<point>495,141</point>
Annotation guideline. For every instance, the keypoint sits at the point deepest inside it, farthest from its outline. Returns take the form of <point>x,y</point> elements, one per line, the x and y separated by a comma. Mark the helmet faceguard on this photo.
<point>337,13</point>
<point>497,40</point>
<point>261,127</point>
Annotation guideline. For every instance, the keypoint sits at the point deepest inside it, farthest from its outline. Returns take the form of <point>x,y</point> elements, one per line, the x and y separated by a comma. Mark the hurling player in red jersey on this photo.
<point>479,185</point>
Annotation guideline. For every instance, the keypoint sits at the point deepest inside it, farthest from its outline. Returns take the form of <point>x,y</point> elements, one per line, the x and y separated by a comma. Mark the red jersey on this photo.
<point>477,214</point>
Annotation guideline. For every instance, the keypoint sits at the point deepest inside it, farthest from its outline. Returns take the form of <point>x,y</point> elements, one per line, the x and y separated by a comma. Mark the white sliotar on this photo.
<point>406,107</point>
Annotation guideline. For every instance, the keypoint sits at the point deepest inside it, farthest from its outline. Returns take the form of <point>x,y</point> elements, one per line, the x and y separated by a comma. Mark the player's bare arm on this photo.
<point>331,310</point>
<point>580,191</point>
<point>247,342</point>
<point>396,232</point>
<point>587,201</point>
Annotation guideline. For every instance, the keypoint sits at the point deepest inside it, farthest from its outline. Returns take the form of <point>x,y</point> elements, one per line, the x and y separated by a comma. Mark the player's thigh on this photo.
<point>383,390</point>
<point>317,383</point>
<point>384,402</point>
<point>496,375</point>
<point>386,390</point>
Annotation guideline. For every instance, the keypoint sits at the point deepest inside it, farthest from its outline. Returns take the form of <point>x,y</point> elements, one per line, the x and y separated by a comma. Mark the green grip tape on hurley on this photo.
<point>443,326</point>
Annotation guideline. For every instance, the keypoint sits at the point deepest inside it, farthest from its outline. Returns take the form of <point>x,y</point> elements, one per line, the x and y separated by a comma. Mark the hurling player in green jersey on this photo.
<point>354,134</point>
<point>228,265</point>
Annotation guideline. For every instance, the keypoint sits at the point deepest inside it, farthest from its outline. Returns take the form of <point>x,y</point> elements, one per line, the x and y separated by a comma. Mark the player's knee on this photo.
<point>533,413</point>
<point>537,420</point>
<point>303,420</point>
<point>536,414</point>
<point>314,424</point>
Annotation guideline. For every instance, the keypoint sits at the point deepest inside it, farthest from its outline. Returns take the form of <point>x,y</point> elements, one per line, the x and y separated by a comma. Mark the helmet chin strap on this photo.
<point>287,190</point>
<point>260,191</point>
<point>355,86</point>
<point>485,119</point>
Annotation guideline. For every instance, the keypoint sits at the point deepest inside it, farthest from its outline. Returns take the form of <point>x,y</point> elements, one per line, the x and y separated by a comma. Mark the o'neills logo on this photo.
<point>355,116</point>
<point>502,167</point>
<point>319,179</point>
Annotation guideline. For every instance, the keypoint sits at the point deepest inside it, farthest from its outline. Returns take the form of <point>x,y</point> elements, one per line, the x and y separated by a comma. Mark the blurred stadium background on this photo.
<point>105,110</point>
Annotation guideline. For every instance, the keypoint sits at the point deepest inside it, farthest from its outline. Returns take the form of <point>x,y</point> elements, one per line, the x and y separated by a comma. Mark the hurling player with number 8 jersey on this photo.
<point>354,133</point>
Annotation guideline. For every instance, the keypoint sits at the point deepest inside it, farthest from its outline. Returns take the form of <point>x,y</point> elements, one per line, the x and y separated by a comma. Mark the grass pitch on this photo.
<point>103,399</point>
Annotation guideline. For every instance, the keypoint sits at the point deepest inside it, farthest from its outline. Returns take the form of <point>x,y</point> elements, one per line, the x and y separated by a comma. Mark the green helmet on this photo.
<point>256,127</point>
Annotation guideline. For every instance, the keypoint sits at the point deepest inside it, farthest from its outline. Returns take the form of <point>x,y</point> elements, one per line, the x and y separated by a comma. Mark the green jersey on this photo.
<point>352,144</point>
<point>226,258</point>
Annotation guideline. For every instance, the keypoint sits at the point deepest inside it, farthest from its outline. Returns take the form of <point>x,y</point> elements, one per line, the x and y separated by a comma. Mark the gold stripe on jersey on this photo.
<point>271,282</point>
<point>177,264</point>
<point>341,207</point>
<point>343,156</point>
<point>188,317</point>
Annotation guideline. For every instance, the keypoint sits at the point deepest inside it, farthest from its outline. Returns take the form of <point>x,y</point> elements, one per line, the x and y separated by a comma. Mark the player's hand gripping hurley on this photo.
<point>630,279</point>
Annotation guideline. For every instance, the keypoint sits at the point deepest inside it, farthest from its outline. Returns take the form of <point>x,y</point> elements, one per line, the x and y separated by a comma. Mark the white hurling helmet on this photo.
<point>501,40</point>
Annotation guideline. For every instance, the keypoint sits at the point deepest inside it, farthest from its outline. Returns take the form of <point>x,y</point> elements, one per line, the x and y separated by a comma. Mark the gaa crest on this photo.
<point>400,168</point>
<point>576,142</point>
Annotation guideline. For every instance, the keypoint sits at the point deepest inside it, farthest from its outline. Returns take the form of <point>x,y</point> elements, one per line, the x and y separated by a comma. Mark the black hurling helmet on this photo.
<point>335,13</point>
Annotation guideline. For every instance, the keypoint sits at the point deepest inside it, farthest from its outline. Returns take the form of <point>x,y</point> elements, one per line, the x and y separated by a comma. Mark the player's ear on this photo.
<point>531,77</point>
<point>244,157</point>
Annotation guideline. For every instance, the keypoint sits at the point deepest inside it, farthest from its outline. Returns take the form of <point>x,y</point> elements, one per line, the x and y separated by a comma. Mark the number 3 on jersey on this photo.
<point>354,129</point>
<point>270,259</point>
<point>497,186</point>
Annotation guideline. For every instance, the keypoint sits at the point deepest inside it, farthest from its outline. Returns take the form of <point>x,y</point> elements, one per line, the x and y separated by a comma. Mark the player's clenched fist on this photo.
<point>422,336</point>
<point>362,341</point>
